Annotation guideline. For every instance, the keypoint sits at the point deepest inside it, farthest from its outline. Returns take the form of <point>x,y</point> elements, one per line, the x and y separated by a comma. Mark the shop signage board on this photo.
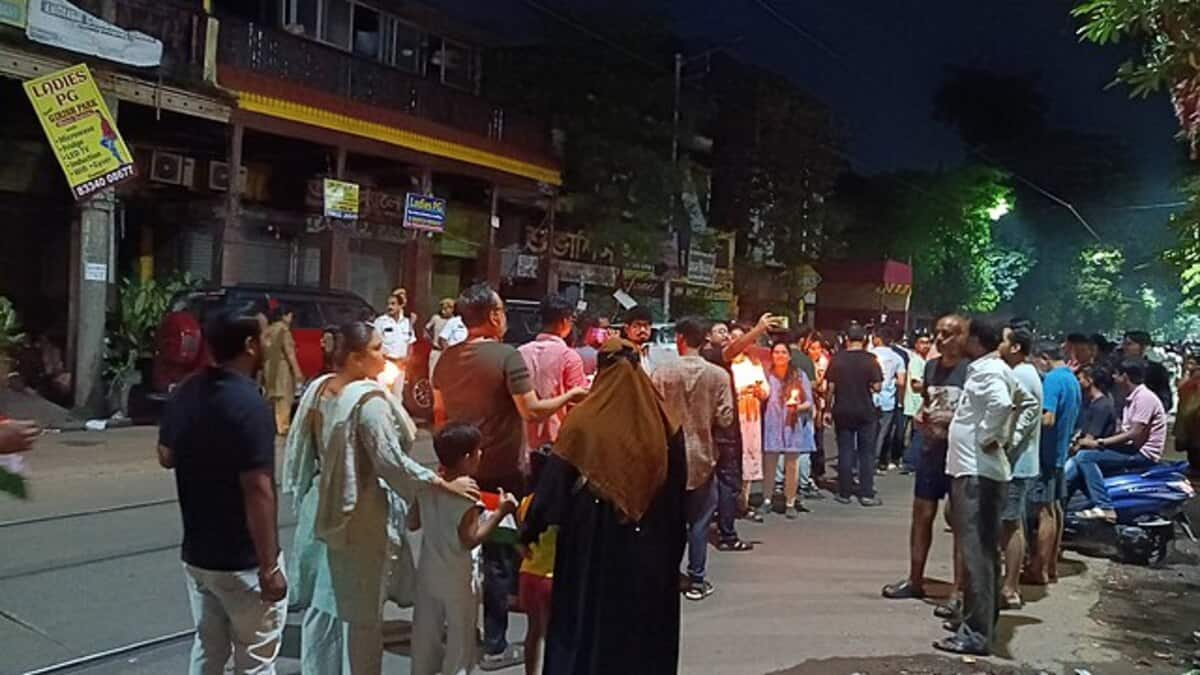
<point>60,24</point>
<point>81,130</point>
<point>807,278</point>
<point>340,199</point>
<point>702,267</point>
<point>12,12</point>
<point>422,212</point>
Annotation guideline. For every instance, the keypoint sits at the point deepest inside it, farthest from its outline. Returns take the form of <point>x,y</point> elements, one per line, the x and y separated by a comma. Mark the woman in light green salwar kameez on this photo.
<point>351,477</point>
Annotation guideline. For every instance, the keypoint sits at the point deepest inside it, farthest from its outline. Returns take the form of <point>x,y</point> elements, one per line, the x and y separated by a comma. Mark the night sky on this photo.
<point>888,59</point>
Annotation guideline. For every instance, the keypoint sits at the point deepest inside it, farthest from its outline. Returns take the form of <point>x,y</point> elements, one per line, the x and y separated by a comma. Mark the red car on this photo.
<point>181,349</point>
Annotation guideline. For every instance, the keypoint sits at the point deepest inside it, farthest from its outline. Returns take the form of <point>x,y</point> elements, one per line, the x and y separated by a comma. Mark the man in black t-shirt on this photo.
<point>945,378</point>
<point>1098,419</point>
<point>854,377</point>
<point>218,434</point>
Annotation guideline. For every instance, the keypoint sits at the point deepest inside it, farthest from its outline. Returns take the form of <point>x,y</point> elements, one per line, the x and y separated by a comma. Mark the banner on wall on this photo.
<point>81,130</point>
<point>61,24</point>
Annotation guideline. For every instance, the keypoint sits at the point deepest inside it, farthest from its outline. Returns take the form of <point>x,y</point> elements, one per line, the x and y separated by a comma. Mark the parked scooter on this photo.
<point>1149,506</point>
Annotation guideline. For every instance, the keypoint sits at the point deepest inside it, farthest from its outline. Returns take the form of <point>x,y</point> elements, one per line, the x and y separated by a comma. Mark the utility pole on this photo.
<point>678,82</point>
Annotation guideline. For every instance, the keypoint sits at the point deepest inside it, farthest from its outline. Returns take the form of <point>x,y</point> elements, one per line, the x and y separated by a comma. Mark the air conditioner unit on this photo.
<point>218,176</point>
<point>168,167</point>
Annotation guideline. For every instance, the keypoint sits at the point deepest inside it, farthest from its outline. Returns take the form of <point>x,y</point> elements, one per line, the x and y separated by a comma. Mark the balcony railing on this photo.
<point>180,26</point>
<point>306,63</point>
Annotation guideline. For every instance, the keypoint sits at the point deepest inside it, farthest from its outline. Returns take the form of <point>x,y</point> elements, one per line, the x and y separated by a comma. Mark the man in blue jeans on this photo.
<point>698,396</point>
<point>853,379</point>
<point>1139,445</point>
<point>720,351</point>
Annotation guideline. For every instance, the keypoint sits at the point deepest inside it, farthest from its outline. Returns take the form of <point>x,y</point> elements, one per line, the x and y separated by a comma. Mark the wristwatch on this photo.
<point>1099,442</point>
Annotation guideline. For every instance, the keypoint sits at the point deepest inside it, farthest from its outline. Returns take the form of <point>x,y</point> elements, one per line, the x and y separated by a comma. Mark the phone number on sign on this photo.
<point>110,178</point>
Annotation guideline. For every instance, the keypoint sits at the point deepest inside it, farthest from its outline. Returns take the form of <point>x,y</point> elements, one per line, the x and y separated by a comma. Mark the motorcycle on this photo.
<point>1149,506</point>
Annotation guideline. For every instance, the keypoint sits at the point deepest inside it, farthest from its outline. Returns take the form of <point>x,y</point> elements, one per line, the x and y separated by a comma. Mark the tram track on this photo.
<point>85,513</point>
<point>83,664</point>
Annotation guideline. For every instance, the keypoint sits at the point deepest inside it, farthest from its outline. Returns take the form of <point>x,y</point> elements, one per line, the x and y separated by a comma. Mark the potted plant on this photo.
<point>131,333</point>
<point>12,337</point>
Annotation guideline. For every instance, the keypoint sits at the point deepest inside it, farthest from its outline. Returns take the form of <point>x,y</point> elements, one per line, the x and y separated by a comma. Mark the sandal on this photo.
<point>514,655</point>
<point>1011,602</point>
<point>949,610</point>
<point>957,645</point>
<point>1097,513</point>
<point>903,590</point>
<point>735,545</point>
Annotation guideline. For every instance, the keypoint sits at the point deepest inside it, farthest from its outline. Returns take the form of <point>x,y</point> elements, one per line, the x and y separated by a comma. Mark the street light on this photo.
<point>1000,209</point>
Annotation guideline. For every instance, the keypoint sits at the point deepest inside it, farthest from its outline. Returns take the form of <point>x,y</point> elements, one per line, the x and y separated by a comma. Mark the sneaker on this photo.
<point>699,591</point>
<point>891,466</point>
<point>880,471</point>
<point>514,655</point>
<point>870,501</point>
<point>841,500</point>
<point>812,493</point>
<point>791,513</point>
<point>907,471</point>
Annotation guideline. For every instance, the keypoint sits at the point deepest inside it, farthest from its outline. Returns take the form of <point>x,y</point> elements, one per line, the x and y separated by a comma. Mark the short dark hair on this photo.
<point>1141,337</point>
<point>1134,369</point>
<point>455,441</point>
<point>476,304</point>
<point>228,330</point>
<point>555,308</point>
<point>693,330</point>
<point>1022,337</point>
<point>1100,377</point>
<point>1079,339</point>
<point>886,334</point>
<point>1020,322</point>
<point>1048,349</point>
<point>856,332</point>
<point>638,313</point>
<point>988,331</point>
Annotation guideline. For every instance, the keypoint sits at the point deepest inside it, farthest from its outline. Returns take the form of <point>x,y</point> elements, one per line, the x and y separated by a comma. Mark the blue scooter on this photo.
<point>1149,506</point>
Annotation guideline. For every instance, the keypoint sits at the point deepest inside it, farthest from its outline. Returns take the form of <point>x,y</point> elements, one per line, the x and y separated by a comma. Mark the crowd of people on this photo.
<point>575,471</point>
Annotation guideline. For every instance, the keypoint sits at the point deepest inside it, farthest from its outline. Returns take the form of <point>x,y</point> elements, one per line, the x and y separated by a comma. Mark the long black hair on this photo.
<point>351,338</point>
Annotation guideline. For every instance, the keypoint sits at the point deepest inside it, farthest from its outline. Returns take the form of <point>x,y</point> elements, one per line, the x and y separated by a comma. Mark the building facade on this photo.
<point>383,95</point>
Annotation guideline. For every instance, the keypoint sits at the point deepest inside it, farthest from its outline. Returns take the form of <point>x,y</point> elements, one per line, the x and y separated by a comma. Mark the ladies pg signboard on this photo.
<point>81,131</point>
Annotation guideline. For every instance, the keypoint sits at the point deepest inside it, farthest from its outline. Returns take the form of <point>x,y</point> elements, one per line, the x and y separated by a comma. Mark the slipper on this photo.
<point>902,590</point>
<point>1011,602</point>
<point>949,610</point>
<point>956,645</point>
<point>735,545</point>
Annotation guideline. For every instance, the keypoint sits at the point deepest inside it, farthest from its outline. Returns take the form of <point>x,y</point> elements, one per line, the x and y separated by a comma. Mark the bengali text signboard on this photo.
<point>80,129</point>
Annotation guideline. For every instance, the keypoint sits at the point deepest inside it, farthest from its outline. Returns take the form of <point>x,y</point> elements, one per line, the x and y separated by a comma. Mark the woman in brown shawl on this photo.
<point>614,486</point>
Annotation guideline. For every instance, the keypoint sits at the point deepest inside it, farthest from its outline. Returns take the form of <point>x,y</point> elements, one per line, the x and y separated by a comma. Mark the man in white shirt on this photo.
<point>891,393</point>
<point>396,329</point>
<point>454,332</point>
<point>977,461</point>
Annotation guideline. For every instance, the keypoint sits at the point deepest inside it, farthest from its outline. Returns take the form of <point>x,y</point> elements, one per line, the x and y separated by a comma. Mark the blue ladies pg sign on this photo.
<point>422,212</point>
